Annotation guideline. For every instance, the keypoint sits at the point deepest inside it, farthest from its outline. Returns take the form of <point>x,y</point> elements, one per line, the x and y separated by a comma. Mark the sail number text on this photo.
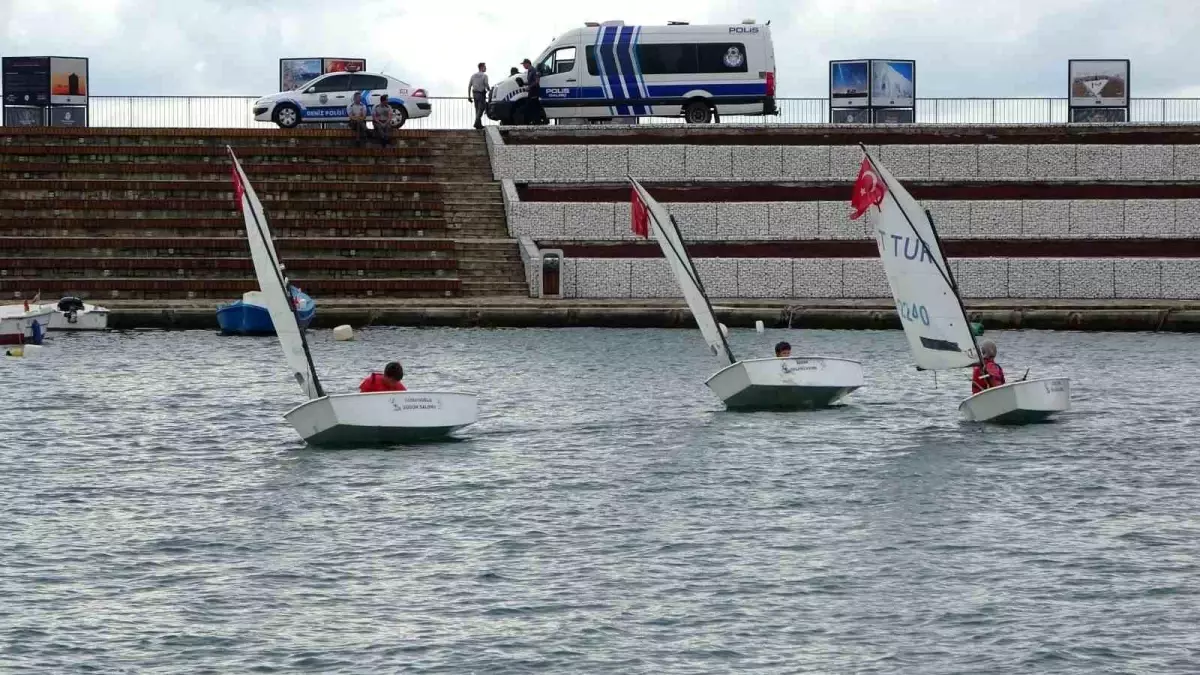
<point>912,312</point>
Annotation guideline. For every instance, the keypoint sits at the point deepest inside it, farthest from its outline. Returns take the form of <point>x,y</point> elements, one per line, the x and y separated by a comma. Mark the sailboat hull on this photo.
<point>792,383</point>
<point>382,418</point>
<point>1025,402</point>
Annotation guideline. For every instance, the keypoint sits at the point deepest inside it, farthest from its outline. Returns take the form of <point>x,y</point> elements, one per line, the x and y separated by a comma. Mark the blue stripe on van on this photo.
<point>746,89</point>
<point>609,58</point>
<point>628,75</point>
<point>584,91</point>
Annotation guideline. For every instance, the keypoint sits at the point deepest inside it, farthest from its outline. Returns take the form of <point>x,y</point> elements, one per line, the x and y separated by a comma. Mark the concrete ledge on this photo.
<point>869,313</point>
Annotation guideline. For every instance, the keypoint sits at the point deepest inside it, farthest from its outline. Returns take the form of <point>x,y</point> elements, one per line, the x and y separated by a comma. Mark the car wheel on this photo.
<point>287,116</point>
<point>697,112</point>
<point>399,116</point>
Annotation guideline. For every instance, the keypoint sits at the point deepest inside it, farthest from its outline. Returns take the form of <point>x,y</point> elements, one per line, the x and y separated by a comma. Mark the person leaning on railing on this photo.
<point>357,112</point>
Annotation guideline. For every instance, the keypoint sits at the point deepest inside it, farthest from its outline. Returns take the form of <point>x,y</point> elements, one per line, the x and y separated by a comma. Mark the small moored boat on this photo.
<point>71,313</point>
<point>250,316</point>
<point>23,324</point>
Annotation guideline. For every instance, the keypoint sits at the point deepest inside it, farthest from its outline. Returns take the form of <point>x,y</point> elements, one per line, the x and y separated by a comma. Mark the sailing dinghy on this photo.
<point>339,419</point>
<point>790,383</point>
<point>931,311</point>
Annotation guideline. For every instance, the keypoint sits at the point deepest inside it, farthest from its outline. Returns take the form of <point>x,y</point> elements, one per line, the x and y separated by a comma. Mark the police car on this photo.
<point>325,98</point>
<point>609,71</point>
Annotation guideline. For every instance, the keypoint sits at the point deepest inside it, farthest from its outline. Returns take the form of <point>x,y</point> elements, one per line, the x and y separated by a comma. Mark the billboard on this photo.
<point>26,80</point>
<point>24,116</point>
<point>345,65</point>
<point>68,116</point>
<point>1098,82</point>
<point>849,83</point>
<point>893,83</point>
<point>68,81</point>
<point>295,73</point>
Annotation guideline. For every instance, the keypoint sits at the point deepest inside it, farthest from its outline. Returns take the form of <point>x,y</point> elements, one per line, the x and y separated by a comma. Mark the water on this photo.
<point>605,515</point>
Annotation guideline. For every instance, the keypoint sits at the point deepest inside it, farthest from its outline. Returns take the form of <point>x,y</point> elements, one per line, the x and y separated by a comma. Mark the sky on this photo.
<point>963,48</point>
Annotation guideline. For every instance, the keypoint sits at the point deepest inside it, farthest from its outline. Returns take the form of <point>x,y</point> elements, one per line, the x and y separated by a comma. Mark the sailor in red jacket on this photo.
<point>388,381</point>
<point>990,374</point>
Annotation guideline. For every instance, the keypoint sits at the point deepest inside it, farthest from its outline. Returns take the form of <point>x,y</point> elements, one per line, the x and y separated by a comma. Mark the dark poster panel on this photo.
<point>1099,115</point>
<point>68,116</point>
<point>894,116</point>
<point>850,116</point>
<point>26,80</point>
<point>24,116</point>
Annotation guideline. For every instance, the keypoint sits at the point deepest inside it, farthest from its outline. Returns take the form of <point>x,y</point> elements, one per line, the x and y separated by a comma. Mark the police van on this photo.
<point>609,71</point>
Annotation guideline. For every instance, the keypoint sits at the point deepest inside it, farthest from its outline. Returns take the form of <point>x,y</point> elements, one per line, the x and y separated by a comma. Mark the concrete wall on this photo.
<point>749,221</point>
<point>587,163</point>
<point>776,278</point>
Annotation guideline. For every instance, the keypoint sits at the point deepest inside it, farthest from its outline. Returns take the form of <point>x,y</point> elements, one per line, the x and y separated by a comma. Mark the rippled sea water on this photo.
<point>605,514</point>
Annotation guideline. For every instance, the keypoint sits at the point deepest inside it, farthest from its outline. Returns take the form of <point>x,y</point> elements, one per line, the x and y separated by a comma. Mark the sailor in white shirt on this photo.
<point>477,91</point>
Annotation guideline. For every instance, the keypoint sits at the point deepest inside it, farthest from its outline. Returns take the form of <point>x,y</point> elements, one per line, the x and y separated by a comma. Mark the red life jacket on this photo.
<point>995,377</point>
<point>377,382</point>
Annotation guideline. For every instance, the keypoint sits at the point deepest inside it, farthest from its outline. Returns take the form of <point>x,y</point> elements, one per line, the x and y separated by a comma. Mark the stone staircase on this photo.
<point>149,214</point>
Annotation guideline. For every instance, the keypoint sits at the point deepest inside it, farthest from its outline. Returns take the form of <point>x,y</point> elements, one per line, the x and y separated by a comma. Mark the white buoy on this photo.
<point>724,329</point>
<point>758,326</point>
<point>343,333</point>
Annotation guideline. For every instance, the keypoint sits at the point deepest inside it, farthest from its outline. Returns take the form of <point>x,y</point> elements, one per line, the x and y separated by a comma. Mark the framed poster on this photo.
<point>295,73</point>
<point>344,65</point>
<point>850,116</point>
<point>68,116</point>
<point>68,81</point>
<point>893,83</point>
<point>26,80</point>
<point>1098,82</point>
<point>849,84</point>
<point>1099,115</point>
<point>24,116</point>
<point>894,116</point>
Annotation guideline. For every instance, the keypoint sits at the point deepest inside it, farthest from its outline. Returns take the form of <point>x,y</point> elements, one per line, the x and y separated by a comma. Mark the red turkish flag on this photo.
<point>869,190</point>
<point>641,215</point>
<point>238,190</point>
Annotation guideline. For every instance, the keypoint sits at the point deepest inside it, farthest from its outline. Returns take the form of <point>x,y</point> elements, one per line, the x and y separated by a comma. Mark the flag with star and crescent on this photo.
<point>869,190</point>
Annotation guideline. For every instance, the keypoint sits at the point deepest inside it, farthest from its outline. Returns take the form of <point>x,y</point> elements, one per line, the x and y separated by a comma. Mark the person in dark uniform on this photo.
<point>534,112</point>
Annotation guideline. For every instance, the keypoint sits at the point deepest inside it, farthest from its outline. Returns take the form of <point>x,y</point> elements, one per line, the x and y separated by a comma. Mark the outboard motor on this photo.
<point>70,303</point>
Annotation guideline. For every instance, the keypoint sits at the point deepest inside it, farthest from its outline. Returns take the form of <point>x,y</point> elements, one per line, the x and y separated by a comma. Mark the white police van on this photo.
<point>610,70</point>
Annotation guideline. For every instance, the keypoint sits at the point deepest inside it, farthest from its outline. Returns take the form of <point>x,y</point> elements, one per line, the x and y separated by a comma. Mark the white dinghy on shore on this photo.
<point>931,311</point>
<point>788,383</point>
<point>340,419</point>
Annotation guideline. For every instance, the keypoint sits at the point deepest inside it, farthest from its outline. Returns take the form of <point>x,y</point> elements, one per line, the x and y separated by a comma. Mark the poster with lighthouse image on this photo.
<point>68,81</point>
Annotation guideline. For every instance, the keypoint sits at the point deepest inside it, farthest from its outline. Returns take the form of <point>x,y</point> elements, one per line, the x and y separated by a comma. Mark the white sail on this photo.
<point>680,262</point>
<point>939,335</point>
<point>273,283</point>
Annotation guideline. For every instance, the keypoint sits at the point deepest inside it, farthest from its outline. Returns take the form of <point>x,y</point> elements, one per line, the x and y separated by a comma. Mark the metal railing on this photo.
<point>458,113</point>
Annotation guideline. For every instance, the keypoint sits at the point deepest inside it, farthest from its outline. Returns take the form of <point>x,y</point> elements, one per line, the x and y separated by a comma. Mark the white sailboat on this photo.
<point>789,383</point>
<point>340,419</point>
<point>931,311</point>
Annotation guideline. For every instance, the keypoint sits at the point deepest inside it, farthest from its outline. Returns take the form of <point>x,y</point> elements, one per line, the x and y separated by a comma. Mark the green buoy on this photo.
<point>976,328</point>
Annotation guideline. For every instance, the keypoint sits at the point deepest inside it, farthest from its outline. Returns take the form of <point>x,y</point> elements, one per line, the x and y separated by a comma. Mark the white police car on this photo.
<point>324,99</point>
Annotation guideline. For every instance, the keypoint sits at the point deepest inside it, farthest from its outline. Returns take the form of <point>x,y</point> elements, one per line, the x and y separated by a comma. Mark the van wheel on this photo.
<point>697,112</point>
<point>287,116</point>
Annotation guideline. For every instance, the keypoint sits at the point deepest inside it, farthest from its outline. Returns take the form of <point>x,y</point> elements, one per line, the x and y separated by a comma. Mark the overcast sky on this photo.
<point>985,48</point>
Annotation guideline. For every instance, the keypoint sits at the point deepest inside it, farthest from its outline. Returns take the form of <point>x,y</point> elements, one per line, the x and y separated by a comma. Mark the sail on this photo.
<point>931,312</point>
<point>667,234</point>
<point>274,285</point>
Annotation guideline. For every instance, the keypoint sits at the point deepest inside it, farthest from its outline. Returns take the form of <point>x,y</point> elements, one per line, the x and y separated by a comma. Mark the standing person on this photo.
<point>388,381</point>
<point>990,374</point>
<point>381,115</point>
<point>477,90</point>
<point>357,112</point>
<point>534,111</point>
